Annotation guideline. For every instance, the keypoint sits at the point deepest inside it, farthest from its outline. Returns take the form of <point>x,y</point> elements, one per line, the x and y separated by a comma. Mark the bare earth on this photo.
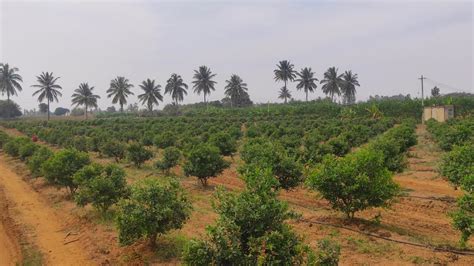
<point>29,209</point>
<point>420,217</point>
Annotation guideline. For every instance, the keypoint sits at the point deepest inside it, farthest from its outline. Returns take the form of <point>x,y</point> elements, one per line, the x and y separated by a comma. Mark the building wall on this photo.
<point>439,113</point>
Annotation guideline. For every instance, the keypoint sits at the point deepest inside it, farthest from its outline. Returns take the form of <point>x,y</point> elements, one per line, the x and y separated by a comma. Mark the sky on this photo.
<point>389,44</point>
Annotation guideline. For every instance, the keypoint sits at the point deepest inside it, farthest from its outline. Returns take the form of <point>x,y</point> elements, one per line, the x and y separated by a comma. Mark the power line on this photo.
<point>445,86</point>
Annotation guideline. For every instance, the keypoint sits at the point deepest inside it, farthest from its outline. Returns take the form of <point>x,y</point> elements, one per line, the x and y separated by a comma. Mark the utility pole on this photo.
<point>422,96</point>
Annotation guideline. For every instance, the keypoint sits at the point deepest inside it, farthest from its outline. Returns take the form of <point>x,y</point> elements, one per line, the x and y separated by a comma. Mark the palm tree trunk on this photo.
<point>86,112</point>
<point>48,109</point>
<point>205,100</point>
<point>306,95</point>
<point>121,107</point>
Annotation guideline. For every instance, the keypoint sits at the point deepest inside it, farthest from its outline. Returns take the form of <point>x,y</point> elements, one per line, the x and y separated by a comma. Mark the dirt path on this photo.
<point>10,253</point>
<point>30,209</point>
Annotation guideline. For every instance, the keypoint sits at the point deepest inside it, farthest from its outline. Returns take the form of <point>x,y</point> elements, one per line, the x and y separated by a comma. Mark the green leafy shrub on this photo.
<point>26,150</point>
<point>4,138</point>
<point>328,253</point>
<point>263,153</point>
<point>165,139</point>
<point>339,146</point>
<point>393,157</point>
<point>153,208</point>
<point>251,229</point>
<point>224,142</point>
<point>101,186</point>
<point>171,156</point>
<point>138,154</point>
<point>60,168</point>
<point>458,163</point>
<point>12,147</point>
<point>203,162</point>
<point>114,149</point>
<point>463,218</point>
<point>355,182</point>
<point>404,134</point>
<point>35,162</point>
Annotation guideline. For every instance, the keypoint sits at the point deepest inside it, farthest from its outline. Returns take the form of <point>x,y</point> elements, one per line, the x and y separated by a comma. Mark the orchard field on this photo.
<point>307,183</point>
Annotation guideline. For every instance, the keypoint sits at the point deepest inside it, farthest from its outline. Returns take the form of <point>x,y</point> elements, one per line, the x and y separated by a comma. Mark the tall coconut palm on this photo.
<point>285,72</point>
<point>9,80</point>
<point>177,88</point>
<point>306,81</point>
<point>48,89</point>
<point>203,81</point>
<point>151,94</point>
<point>119,90</point>
<point>284,94</point>
<point>235,89</point>
<point>348,87</point>
<point>84,96</point>
<point>332,82</point>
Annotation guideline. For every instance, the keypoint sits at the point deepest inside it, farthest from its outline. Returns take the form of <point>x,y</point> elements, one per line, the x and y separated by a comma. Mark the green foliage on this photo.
<point>328,253</point>
<point>171,156</point>
<point>152,209</point>
<point>101,186</point>
<point>138,154</point>
<point>458,163</point>
<point>113,149</point>
<point>263,153</point>
<point>60,168</point>
<point>4,138</point>
<point>250,230</point>
<point>224,142</point>
<point>9,109</point>
<point>452,133</point>
<point>463,217</point>
<point>165,139</point>
<point>354,183</point>
<point>339,146</point>
<point>35,162</point>
<point>203,162</point>
<point>12,147</point>
<point>27,149</point>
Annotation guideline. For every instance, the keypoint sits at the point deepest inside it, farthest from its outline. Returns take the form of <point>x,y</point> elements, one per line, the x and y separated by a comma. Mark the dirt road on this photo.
<point>29,210</point>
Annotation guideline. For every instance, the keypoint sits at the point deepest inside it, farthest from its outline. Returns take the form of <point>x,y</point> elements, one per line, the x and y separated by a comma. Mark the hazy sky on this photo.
<point>389,44</point>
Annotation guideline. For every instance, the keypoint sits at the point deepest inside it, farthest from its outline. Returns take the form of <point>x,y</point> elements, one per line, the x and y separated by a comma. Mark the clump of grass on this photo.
<point>170,247</point>
<point>368,247</point>
<point>31,255</point>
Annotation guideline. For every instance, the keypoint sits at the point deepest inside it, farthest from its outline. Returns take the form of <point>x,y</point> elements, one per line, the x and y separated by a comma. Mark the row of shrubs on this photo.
<point>363,179</point>
<point>454,132</point>
<point>251,227</point>
<point>147,208</point>
<point>457,165</point>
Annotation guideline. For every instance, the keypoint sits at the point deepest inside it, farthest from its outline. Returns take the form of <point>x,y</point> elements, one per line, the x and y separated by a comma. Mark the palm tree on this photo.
<point>119,89</point>
<point>306,81</point>
<point>203,81</point>
<point>9,80</point>
<point>332,82</point>
<point>151,94</point>
<point>348,87</point>
<point>235,88</point>
<point>48,88</point>
<point>84,96</point>
<point>284,94</point>
<point>285,72</point>
<point>177,88</point>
